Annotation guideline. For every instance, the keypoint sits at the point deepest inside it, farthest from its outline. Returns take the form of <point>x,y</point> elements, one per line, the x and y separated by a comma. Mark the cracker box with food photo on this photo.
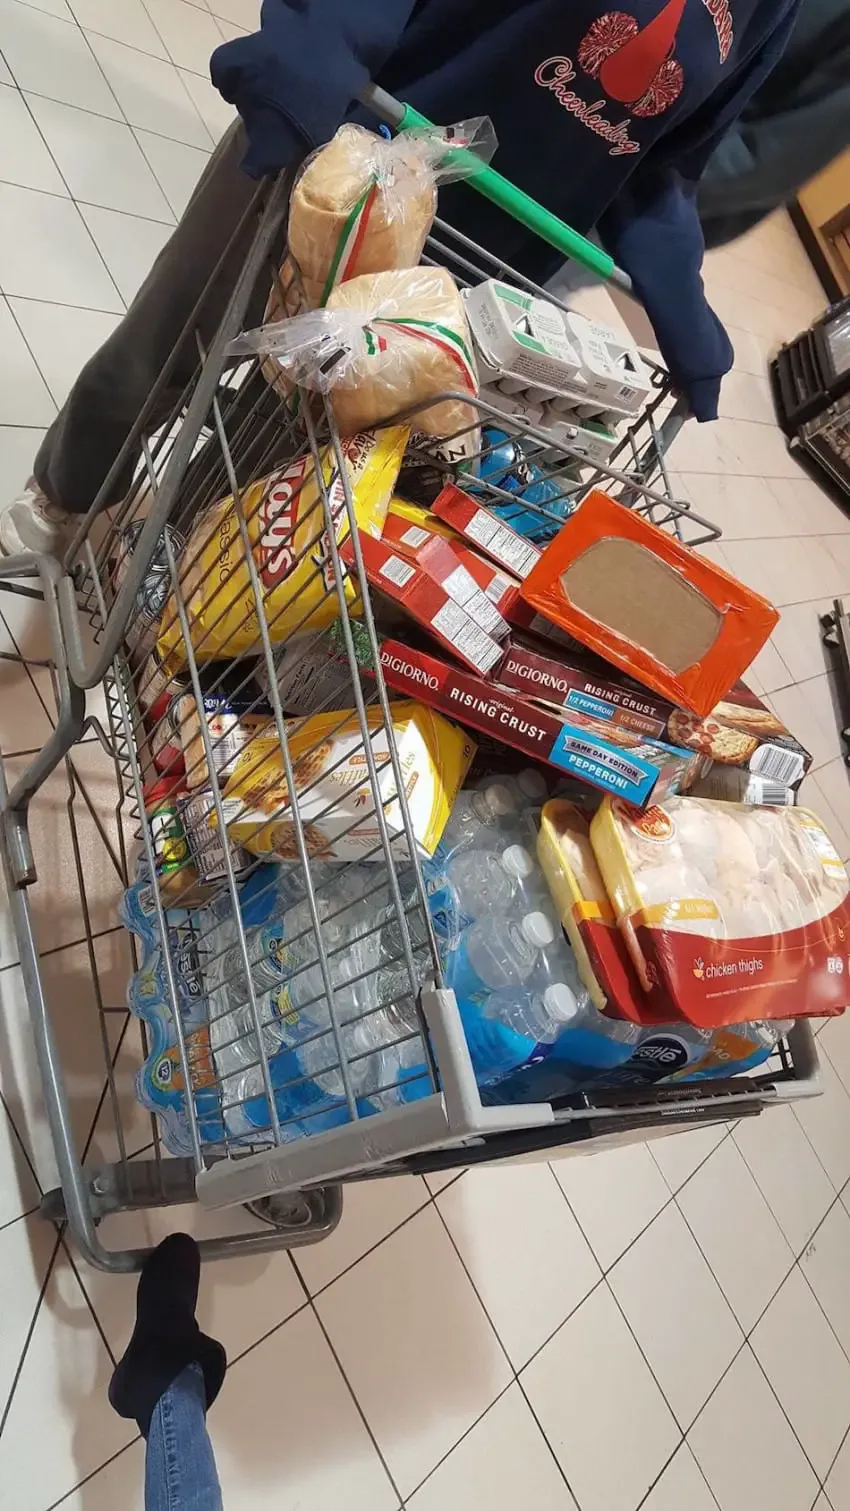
<point>426,602</point>
<point>610,759</point>
<point>333,788</point>
<point>660,612</point>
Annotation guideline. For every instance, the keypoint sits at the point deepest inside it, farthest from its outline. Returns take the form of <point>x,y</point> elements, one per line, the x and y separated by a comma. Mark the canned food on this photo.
<point>175,869</point>
<point>151,598</point>
<point>166,749</point>
<point>234,713</point>
<point>205,842</point>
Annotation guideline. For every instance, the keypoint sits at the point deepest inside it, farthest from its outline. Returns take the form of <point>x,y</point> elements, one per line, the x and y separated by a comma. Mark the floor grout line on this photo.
<point>4,1415</point>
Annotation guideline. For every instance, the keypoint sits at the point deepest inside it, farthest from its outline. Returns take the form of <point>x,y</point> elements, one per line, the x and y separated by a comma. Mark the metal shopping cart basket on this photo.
<point>391,1086</point>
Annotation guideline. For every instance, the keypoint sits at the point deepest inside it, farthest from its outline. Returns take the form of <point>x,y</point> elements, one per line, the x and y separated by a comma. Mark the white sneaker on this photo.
<point>32,523</point>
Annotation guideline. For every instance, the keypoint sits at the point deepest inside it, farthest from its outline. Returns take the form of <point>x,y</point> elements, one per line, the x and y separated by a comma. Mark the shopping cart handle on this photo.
<point>507,196</point>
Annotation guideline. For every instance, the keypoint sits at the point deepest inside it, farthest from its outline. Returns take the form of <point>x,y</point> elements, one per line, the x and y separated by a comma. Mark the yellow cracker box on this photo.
<point>285,520</point>
<point>332,781</point>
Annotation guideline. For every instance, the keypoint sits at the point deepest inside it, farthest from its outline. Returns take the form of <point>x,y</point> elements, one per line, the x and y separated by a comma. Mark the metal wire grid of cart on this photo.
<point>364,1071</point>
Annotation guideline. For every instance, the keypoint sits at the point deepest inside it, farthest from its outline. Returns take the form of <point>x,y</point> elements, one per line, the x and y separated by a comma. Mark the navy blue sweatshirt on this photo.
<point>607,117</point>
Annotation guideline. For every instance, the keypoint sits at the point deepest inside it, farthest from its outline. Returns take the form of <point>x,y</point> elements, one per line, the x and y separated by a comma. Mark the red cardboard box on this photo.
<point>500,587</point>
<point>406,584</point>
<point>637,597</point>
<point>740,731</point>
<point>612,760</point>
<point>486,532</point>
<point>583,684</point>
<point>438,557</point>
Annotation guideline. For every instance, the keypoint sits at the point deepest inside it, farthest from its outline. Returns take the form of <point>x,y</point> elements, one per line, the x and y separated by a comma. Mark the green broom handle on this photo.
<point>506,195</point>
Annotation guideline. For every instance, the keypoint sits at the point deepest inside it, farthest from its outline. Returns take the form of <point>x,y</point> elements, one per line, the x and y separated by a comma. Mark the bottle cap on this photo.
<point>560,1002</point>
<point>518,862</point>
<point>532,784</point>
<point>499,799</point>
<point>538,930</point>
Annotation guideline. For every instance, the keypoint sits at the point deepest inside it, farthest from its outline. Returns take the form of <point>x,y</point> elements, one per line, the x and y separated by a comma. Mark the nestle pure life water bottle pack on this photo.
<point>382,1046</point>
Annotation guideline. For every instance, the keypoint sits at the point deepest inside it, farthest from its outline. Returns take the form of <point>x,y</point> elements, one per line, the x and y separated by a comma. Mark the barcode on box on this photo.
<point>769,794</point>
<point>498,586</point>
<point>504,544</point>
<point>455,625</point>
<point>785,766</point>
<point>397,571</point>
<point>415,536</point>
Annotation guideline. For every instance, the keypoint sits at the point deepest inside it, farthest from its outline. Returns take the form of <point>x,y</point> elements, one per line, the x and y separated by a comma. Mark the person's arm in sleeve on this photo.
<point>294,80</point>
<point>653,231</point>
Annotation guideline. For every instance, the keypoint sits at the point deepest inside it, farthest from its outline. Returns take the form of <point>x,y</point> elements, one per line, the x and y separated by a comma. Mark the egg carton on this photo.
<point>592,436</point>
<point>527,346</point>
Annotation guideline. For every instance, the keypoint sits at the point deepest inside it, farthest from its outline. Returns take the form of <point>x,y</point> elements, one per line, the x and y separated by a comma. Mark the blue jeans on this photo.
<point>180,1472</point>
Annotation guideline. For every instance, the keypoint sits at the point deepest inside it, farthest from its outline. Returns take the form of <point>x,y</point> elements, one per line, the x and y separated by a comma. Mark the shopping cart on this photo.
<point>397,1092</point>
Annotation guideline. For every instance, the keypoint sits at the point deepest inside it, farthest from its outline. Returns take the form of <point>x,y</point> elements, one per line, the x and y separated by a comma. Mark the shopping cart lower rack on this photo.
<point>375,1019</point>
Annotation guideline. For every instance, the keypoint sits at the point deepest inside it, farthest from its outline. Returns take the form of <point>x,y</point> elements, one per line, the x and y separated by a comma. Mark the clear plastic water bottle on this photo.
<point>476,811</point>
<point>365,1045</point>
<point>529,786</point>
<point>528,881</point>
<point>662,1052</point>
<point>480,882</point>
<point>496,952</point>
<point>540,1016</point>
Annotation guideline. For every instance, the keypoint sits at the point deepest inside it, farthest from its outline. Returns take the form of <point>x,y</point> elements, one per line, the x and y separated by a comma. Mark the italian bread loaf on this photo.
<point>361,205</point>
<point>416,346</point>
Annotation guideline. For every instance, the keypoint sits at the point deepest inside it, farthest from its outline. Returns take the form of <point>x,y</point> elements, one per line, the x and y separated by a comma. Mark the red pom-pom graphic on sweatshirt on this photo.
<point>634,64</point>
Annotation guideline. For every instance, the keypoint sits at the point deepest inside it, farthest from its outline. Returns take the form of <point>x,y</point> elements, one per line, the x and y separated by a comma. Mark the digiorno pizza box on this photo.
<point>741,731</point>
<point>610,758</point>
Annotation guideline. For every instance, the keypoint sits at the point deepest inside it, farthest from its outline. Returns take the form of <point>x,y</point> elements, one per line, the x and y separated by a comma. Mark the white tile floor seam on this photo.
<point>536,1367</point>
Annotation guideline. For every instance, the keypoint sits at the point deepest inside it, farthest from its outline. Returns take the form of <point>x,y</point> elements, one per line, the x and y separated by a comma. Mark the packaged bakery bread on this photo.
<point>363,204</point>
<point>288,529</point>
<point>334,795</point>
<point>631,592</point>
<point>578,891</point>
<point>730,912</point>
<point>383,344</point>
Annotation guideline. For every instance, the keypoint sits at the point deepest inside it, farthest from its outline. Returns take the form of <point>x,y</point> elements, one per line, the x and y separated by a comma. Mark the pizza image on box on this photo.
<point>731,747</point>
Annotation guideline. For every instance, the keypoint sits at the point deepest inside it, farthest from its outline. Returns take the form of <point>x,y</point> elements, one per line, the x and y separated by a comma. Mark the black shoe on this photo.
<point>166,1338</point>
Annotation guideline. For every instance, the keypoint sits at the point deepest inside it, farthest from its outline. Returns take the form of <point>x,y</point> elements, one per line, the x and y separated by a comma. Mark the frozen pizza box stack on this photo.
<point>741,731</point>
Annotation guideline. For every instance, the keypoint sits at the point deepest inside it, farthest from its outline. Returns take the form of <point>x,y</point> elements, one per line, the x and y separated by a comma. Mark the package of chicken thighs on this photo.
<point>730,912</point>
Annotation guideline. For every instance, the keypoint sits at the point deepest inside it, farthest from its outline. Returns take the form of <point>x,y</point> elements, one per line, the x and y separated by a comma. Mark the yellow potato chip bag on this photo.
<point>285,520</point>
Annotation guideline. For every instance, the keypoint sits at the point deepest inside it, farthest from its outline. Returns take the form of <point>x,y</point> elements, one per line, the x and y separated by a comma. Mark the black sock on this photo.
<point>166,1338</point>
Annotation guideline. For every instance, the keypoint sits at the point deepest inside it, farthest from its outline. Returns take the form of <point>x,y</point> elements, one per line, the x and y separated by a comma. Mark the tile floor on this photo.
<point>666,1325</point>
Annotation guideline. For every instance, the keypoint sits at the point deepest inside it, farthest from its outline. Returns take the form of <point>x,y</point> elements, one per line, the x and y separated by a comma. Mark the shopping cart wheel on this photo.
<point>292,1209</point>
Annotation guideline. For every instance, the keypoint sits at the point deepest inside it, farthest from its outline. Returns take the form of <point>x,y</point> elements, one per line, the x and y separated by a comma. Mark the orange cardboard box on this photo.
<point>650,605</point>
